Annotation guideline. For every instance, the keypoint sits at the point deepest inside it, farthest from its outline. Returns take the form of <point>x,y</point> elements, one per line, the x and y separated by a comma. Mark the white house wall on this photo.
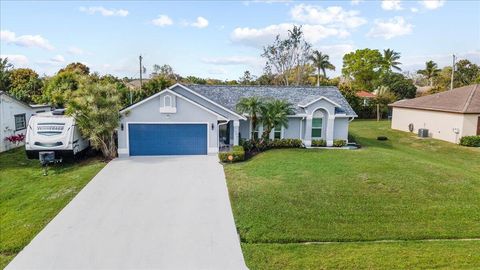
<point>149,112</point>
<point>8,109</point>
<point>440,125</point>
<point>341,128</point>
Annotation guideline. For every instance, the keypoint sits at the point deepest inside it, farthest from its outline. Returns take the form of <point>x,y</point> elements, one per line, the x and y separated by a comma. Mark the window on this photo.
<point>256,132</point>
<point>20,122</point>
<point>277,132</point>
<point>167,101</point>
<point>317,125</point>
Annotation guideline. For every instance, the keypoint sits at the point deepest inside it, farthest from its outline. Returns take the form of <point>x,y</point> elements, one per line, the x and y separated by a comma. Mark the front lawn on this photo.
<point>29,200</point>
<point>405,188</point>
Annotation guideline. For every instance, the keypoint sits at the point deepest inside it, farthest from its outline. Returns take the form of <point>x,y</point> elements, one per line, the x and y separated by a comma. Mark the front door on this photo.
<point>478,126</point>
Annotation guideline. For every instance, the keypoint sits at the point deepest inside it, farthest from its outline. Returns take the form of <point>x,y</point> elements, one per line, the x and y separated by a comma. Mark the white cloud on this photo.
<point>25,40</point>
<point>233,60</point>
<point>332,16</point>
<point>355,2</point>
<point>18,60</point>
<point>217,71</point>
<point>414,9</point>
<point>258,37</point>
<point>104,11</point>
<point>394,27</point>
<point>200,23</point>
<point>266,2</point>
<point>432,4</point>
<point>416,62</point>
<point>75,51</point>
<point>58,58</point>
<point>392,5</point>
<point>337,50</point>
<point>162,20</point>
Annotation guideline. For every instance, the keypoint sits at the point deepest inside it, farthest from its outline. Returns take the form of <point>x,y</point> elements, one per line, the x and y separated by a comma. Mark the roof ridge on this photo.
<point>469,99</point>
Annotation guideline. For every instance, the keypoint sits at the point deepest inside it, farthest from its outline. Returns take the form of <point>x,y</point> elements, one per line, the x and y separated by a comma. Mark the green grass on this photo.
<point>29,200</point>
<point>405,188</point>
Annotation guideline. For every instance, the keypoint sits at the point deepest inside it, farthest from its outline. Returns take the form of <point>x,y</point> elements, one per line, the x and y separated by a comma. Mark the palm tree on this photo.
<point>252,107</point>
<point>321,62</point>
<point>431,71</point>
<point>390,58</point>
<point>274,113</point>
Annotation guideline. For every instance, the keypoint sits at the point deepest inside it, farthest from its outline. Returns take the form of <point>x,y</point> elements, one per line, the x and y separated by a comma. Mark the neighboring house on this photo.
<point>201,119</point>
<point>447,115</point>
<point>14,116</point>
<point>365,96</point>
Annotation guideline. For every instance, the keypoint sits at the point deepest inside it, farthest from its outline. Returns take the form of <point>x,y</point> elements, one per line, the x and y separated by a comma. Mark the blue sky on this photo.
<point>222,39</point>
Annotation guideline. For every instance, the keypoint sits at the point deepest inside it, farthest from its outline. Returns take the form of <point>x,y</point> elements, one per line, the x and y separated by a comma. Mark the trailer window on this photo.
<point>20,121</point>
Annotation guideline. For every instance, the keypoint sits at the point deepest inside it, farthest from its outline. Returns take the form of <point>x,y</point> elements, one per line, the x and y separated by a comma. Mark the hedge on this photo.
<point>339,143</point>
<point>238,154</point>
<point>472,141</point>
<point>251,145</point>
<point>322,143</point>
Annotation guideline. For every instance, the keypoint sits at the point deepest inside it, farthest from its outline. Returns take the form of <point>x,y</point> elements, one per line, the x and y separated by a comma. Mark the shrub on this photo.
<point>472,141</point>
<point>339,143</point>
<point>319,143</point>
<point>238,154</point>
<point>251,145</point>
<point>382,138</point>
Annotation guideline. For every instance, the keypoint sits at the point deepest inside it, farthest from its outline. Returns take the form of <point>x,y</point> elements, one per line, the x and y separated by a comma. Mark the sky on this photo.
<point>222,39</point>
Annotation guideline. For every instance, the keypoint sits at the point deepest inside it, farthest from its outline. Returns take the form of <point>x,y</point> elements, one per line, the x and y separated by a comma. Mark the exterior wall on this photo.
<point>204,103</point>
<point>441,125</point>
<point>341,128</point>
<point>470,124</point>
<point>293,130</point>
<point>186,112</point>
<point>245,129</point>
<point>9,107</point>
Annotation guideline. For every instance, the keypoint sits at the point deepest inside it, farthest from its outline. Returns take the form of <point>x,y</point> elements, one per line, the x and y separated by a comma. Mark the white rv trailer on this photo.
<point>54,131</point>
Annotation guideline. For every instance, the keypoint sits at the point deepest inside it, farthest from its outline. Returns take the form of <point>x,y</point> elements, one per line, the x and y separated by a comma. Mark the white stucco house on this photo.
<point>448,115</point>
<point>201,119</point>
<point>14,116</point>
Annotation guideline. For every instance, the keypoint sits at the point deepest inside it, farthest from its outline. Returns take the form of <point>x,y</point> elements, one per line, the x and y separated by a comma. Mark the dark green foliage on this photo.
<point>472,141</point>
<point>259,146</point>
<point>364,67</point>
<point>24,84</point>
<point>339,143</point>
<point>398,84</point>
<point>237,153</point>
<point>319,143</point>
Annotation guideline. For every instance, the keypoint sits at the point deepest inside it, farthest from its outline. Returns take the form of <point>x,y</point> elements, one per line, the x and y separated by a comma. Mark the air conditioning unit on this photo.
<point>423,133</point>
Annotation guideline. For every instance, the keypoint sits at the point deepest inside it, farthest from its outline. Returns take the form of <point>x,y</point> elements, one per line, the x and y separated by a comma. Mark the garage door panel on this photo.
<point>167,139</point>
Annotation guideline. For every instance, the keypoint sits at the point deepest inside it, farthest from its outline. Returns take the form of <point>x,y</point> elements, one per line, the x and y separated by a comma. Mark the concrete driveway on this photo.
<point>143,213</point>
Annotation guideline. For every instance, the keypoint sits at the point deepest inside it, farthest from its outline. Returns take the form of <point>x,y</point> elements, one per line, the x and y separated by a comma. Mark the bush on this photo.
<point>472,141</point>
<point>319,143</point>
<point>251,145</point>
<point>339,143</point>
<point>238,154</point>
<point>382,138</point>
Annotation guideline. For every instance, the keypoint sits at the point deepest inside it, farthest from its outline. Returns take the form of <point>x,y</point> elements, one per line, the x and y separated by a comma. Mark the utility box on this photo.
<point>423,133</point>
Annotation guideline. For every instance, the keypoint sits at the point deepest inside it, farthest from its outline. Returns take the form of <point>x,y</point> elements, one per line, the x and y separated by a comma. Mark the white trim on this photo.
<point>205,98</point>
<point>320,98</point>
<point>127,135</point>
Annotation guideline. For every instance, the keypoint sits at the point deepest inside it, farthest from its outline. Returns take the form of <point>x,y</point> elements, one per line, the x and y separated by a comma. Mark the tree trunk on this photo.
<point>318,77</point>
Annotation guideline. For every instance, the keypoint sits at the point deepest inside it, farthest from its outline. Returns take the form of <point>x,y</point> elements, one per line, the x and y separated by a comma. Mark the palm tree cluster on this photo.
<point>270,113</point>
<point>321,62</point>
<point>430,72</point>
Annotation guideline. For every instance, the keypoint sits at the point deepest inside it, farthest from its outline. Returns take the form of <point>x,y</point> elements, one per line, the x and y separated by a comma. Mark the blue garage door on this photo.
<point>167,139</point>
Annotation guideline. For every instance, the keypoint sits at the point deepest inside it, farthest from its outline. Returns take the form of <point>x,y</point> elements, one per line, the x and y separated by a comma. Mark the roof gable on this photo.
<point>459,100</point>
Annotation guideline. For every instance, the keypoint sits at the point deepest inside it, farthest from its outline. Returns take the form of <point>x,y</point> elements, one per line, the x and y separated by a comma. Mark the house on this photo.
<point>201,119</point>
<point>14,116</point>
<point>447,115</point>
<point>365,97</point>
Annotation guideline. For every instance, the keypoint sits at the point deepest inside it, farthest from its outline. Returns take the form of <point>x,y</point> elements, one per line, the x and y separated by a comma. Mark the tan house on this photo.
<point>447,115</point>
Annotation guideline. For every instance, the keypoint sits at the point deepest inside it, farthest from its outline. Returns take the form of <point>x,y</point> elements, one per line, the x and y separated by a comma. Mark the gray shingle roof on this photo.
<point>228,96</point>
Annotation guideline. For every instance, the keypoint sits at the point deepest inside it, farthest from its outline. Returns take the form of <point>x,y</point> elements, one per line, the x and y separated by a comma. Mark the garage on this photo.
<point>156,139</point>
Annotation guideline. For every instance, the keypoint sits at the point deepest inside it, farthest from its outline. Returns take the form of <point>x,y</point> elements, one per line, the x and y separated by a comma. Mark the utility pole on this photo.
<point>453,71</point>
<point>141,70</point>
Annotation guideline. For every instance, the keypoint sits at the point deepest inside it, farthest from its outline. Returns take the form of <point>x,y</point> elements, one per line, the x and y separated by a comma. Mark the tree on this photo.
<point>76,67</point>
<point>267,78</point>
<point>384,97</point>
<point>155,84</point>
<point>466,73</point>
<point>288,55</point>
<point>247,78</point>
<point>25,84</point>
<point>96,107</point>
<point>322,63</point>
<point>5,70</point>
<point>430,72</point>
<point>59,88</point>
<point>364,67</point>
<point>397,83</point>
<point>390,60</point>
<point>274,113</point>
<point>251,106</point>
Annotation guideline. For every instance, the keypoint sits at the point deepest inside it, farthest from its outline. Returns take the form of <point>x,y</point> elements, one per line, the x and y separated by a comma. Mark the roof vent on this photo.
<point>58,112</point>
